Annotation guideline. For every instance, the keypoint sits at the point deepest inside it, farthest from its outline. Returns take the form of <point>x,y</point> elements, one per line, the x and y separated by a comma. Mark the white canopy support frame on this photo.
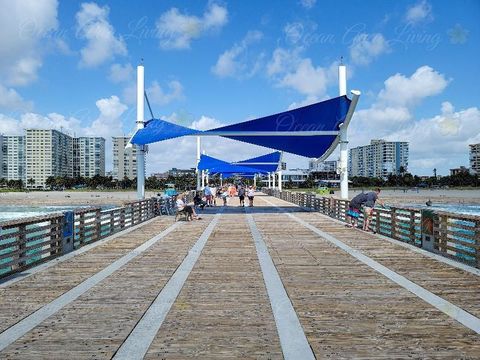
<point>341,136</point>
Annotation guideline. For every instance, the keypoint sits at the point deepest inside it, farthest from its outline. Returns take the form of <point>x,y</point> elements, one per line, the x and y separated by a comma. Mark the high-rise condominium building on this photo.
<point>322,166</point>
<point>124,160</point>
<point>47,153</point>
<point>15,157</point>
<point>379,159</point>
<point>88,156</point>
<point>3,158</point>
<point>475,158</point>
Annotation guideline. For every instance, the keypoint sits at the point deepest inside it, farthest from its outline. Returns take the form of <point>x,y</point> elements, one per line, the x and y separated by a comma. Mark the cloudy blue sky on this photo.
<point>71,65</point>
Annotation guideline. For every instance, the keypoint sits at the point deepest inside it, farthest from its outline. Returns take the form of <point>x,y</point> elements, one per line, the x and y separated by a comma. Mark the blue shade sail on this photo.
<point>267,162</point>
<point>159,130</point>
<point>218,166</point>
<point>323,116</point>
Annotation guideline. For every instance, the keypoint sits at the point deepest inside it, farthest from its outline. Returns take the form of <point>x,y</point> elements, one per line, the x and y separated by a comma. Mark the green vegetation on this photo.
<point>11,184</point>
<point>409,180</point>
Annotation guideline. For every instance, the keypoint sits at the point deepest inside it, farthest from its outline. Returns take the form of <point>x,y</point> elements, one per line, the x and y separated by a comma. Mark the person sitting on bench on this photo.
<point>197,201</point>
<point>189,210</point>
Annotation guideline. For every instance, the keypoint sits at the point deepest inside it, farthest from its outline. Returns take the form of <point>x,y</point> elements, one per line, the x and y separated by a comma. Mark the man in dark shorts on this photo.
<point>241,195</point>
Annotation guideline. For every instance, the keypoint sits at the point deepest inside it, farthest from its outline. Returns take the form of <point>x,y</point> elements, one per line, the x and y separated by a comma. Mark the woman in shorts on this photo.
<point>250,195</point>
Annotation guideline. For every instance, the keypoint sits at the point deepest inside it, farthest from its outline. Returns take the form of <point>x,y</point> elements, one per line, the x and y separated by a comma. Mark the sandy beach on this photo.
<point>92,198</point>
<point>420,196</point>
<point>87,198</point>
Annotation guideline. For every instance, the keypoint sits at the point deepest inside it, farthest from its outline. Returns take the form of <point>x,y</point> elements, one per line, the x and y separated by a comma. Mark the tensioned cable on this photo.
<point>148,103</point>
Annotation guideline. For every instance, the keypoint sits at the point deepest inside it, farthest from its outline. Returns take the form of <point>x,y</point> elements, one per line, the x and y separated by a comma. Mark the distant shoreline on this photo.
<point>96,198</point>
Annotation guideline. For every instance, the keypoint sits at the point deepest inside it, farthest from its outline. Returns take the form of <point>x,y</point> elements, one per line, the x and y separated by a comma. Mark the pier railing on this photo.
<point>25,243</point>
<point>451,235</point>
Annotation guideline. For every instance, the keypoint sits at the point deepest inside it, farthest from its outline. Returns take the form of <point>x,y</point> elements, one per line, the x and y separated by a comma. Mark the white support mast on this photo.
<point>140,125</point>
<point>198,161</point>
<point>280,173</point>
<point>203,174</point>
<point>342,87</point>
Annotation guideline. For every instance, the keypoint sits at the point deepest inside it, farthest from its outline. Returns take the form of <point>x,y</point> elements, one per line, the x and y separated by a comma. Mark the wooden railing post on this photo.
<point>21,247</point>
<point>412,235</point>
<point>81,227</point>
<point>56,235</point>
<point>112,222</point>
<point>122,218</point>
<point>377,223</point>
<point>98,225</point>
<point>442,234</point>
<point>477,243</point>
<point>393,223</point>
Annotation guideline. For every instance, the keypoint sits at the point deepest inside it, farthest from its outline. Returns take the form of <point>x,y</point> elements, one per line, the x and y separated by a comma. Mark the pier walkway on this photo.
<point>268,282</point>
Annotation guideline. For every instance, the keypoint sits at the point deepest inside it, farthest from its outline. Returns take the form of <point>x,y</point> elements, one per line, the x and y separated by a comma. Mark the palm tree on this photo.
<point>31,182</point>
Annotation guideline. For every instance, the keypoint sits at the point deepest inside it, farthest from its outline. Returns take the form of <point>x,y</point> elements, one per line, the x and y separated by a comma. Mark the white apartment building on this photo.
<point>475,158</point>
<point>124,160</point>
<point>296,176</point>
<point>88,156</point>
<point>322,166</point>
<point>379,159</point>
<point>47,153</point>
<point>15,157</point>
<point>3,158</point>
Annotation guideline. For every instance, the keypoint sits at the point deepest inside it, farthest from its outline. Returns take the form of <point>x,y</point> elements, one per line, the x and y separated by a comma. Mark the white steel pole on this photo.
<point>203,173</point>
<point>280,180</point>
<point>198,161</point>
<point>342,87</point>
<point>140,125</point>
<point>255,180</point>
<point>273,174</point>
<point>269,182</point>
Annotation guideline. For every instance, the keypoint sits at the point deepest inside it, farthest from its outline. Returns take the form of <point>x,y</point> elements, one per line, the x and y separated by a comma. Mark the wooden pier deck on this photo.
<point>267,282</point>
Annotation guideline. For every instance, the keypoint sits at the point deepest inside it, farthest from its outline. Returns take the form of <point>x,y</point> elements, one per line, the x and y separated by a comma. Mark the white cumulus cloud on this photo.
<point>407,91</point>
<point>121,73</point>
<point>308,4</point>
<point>395,102</point>
<point>421,11</point>
<point>306,78</point>
<point>441,141</point>
<point>11,100</point>
<point>24,30</point>
<point>238,61</point>
<point>367,47</point>
<point>176,30</point>
<point>102,44</point>
<point>156,93</point>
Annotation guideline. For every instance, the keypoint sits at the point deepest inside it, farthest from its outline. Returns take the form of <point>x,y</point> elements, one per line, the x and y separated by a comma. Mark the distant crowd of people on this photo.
<point>210,196</point>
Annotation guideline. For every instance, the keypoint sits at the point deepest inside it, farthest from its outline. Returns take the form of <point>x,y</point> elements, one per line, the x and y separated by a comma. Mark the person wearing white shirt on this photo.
<point>181,205</point>
<point>250,195</point>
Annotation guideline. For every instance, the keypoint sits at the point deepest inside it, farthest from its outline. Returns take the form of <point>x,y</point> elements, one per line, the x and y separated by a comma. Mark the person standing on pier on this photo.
<point>368,206</point>
<point>207,191</point>
<point>367,202</point>
<point>241,195</point>
<point>250,194</point>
